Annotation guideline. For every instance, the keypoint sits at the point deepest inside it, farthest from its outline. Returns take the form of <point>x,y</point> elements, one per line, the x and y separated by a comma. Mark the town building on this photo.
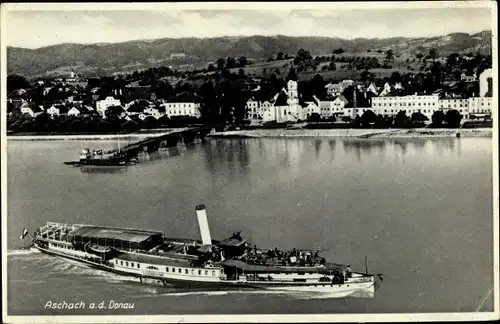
<point>103,105</point>
<point>333,89</point>
<point>480,107</point>
<point>31,109</point>
<point>459,104</point>
<point>182,109</point>
<point>391,105</point>
<point>286,106</point>
<point>57,110</point>
<point>333,107</point>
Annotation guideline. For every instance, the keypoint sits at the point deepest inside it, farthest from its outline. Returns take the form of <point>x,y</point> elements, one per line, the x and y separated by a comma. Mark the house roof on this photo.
<point>34,107</point>
<point>281,99</point>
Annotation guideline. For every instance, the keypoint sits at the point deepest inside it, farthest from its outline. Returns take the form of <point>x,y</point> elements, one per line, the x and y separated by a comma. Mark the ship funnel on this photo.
<point>201,213</point>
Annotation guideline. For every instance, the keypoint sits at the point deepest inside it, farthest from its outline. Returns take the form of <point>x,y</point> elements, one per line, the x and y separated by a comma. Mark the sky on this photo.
<point>40,27</point>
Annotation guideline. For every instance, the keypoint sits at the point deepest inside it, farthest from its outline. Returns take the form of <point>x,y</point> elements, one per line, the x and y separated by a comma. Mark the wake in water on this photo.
<point>60,266</point>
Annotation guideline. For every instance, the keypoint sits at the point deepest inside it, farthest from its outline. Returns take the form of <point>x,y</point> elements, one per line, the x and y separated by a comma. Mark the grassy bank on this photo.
<point>359,133</point>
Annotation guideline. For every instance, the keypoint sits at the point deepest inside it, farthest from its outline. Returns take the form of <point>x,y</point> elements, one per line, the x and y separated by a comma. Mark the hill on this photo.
<point>106,58</point>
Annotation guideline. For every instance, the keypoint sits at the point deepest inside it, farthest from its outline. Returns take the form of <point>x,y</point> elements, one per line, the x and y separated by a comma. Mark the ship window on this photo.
<point>121,262</point>
<point>138,265</point>
<point>192,271</point>
<point>126,264</point>
<point>213,273</point>
<point>180,270</point>
<point>166,269</point>
<point>186,271</point>
<point>116,261</point>
<point>206,272</point>
<point>199,272</point>
<point>131,264</point>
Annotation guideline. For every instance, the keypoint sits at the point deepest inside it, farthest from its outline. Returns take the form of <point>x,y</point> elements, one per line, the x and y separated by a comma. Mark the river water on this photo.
<point>419,209</point>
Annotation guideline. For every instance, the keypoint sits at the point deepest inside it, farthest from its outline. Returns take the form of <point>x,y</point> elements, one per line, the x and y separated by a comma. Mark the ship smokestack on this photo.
<point>201,213</point>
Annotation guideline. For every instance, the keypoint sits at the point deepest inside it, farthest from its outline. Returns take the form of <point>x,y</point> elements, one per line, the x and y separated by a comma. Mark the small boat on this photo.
<point>229,263</point>
<point>99,158</point>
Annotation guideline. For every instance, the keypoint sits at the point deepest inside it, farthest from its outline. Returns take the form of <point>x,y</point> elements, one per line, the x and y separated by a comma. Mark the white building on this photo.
<point>334,89</point>
<point>182,109</point>
<point>57,110</point>
<point>484,78</point>
<point>311,108</point>
<point>352,112</point>
<point>255,109</point>
<point>291,111</point>
<point>459,104</point>
<point>74,112</point>
<point>31,109</point>
<point>332,108</point>
<point>103,105</point>
<point>480,107</point>
<point>390,106</point>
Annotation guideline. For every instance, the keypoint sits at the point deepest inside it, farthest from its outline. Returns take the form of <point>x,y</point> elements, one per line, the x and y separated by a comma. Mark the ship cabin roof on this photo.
<point>127,235</point>
<point>236,240</point>
<point>233,242</point>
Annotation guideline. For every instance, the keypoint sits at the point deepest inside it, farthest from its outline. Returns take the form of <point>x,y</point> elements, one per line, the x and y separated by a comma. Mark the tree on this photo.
<point>280,56</point>
<point>453,118</point>
<point>418,119</point>
<point>389,56</point>
<point>292,75</point>
<point>243,61</point>
<point>366,76</point>
<point>395,77</point>
<point>401,120</point>
<point>419,56</point>
<point>15,82</point>
<point>368,118</point>
<point>220,63</point>
<point>338,51</point>
<point>433,54</point>
<point>438,118</point>
<point>314,118</point>
<point>452,59</point>
<point>317,86</point>
<point>230,63</point>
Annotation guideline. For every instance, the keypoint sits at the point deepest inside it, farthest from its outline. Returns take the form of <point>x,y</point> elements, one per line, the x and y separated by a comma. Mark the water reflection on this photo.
<point>103,169</point>
<point>291,154</point>
<point>317,147</point>
<point>233,154</point>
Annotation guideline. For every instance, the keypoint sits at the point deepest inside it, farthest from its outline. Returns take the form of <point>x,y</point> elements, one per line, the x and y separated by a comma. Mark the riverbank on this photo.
<point>81,137</point>
<point>359,133</point>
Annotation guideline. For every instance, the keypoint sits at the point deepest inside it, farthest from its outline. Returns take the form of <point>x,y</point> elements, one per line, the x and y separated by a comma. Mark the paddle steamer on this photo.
<point>232,262</point>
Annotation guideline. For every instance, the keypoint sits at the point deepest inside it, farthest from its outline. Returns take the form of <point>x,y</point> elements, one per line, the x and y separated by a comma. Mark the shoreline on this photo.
<point>358,133</point>
<point>285,133</point>
<point>71,137</point>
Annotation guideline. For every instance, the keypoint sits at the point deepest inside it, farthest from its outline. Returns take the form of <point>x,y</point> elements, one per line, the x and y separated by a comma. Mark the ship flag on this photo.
<point>25,232</point>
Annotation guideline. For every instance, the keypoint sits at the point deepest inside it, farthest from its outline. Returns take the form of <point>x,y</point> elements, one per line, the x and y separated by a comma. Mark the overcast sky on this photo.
<point>35,28</point>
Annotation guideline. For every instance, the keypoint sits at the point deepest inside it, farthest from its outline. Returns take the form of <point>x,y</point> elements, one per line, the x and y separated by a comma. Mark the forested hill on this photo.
<point>103,59</point>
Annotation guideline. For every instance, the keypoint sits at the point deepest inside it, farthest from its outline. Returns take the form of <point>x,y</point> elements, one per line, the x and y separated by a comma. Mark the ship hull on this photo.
<point>361,289</point>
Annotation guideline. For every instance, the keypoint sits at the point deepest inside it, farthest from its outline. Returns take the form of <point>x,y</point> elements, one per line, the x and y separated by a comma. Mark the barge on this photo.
<point>206,263</point>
